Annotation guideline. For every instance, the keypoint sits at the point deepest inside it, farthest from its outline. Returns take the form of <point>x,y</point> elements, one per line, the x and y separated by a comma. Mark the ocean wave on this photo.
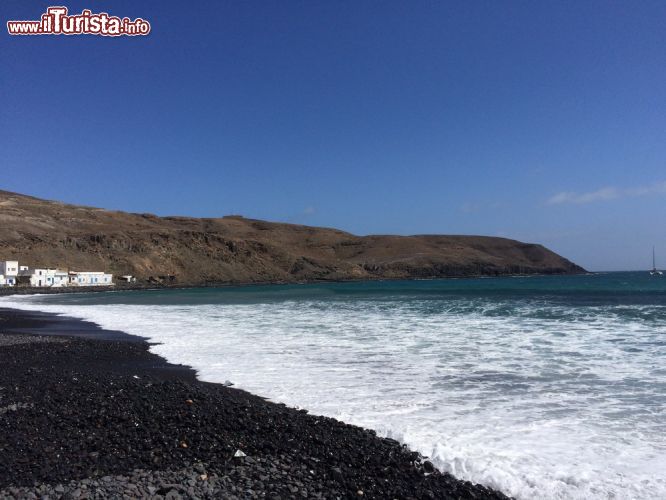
<point>533,397</point>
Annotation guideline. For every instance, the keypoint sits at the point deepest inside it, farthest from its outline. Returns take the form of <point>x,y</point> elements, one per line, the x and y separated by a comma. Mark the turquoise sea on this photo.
<point>542,387</point>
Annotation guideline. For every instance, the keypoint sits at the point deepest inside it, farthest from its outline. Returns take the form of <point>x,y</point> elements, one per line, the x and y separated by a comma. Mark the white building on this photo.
<point>12,274</point>
<point>8,272</point>
<point>46,277</point>
<point>90,278</point>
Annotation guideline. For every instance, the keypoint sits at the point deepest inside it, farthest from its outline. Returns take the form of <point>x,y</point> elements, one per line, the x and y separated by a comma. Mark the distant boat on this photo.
<point>654,271</point>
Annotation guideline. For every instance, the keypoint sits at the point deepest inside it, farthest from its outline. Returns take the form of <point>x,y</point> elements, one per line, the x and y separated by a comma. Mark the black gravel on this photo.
<point>82,418</point>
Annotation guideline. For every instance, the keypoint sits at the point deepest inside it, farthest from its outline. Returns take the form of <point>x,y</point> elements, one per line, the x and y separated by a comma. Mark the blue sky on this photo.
<point>540,121</point>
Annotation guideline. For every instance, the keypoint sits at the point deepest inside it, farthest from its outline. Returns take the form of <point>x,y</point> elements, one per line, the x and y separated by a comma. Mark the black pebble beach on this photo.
<point>92,414</point>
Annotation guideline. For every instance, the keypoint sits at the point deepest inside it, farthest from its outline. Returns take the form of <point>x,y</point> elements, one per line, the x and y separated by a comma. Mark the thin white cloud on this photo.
<point>658,188</point>
<point>605,194</point>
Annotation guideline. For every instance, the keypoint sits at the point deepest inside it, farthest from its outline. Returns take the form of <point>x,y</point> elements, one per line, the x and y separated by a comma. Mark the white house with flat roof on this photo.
<point>90,278</point>
<point>12,274</point>
<point>45,277</point>
<point>9,270</point>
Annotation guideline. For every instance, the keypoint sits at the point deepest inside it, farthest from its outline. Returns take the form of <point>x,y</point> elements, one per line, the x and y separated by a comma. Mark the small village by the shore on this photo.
<point>12,274</point>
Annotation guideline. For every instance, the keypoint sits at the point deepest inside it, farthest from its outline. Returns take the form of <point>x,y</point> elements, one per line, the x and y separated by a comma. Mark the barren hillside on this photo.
<point>235,249</point>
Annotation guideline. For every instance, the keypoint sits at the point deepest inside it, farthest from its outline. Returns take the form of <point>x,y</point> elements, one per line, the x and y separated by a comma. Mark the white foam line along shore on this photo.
<point>525,402</point>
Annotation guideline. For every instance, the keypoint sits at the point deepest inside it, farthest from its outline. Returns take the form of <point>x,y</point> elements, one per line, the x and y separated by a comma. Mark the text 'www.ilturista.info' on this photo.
<point>57,21</point>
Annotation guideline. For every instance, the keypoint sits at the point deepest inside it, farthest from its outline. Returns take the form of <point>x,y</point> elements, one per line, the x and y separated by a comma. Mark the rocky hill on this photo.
<point>238,250</point>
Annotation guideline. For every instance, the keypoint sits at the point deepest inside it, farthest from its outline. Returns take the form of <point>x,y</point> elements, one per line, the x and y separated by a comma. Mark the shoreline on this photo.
<point>86,407</point>
<point>14,290</point>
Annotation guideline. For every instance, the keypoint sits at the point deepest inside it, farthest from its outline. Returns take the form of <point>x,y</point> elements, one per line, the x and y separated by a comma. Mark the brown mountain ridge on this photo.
<point>233,249</point>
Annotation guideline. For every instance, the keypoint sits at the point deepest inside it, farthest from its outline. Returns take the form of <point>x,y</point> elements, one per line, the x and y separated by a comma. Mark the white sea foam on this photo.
<point>537,400</point>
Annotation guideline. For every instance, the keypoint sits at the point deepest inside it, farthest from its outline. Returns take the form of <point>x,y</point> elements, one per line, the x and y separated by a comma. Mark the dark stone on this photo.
<point>83,420</point>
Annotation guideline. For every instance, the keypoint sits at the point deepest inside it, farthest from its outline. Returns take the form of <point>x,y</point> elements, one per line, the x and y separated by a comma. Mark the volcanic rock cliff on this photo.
<point>238,250</point>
